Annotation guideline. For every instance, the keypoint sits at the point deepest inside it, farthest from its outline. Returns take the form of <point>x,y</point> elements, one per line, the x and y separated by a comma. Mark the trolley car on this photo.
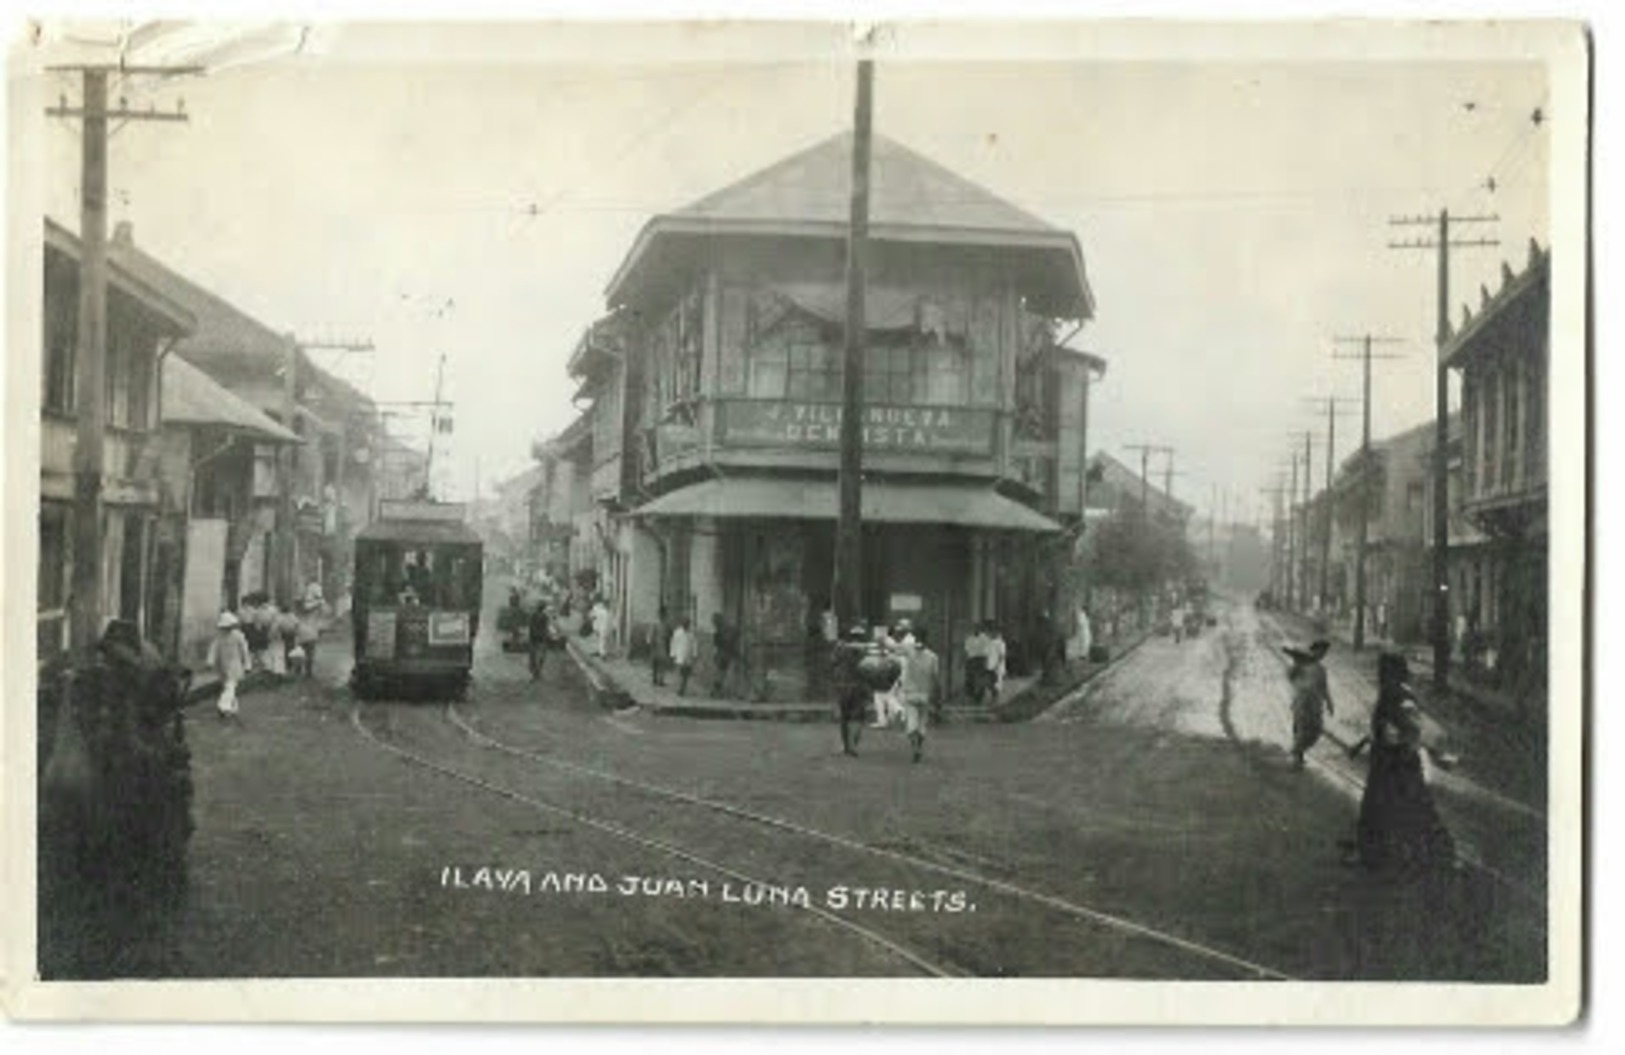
<point>416,599</point>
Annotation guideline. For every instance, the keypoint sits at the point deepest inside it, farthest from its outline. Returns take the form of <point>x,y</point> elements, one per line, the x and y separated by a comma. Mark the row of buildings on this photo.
<point>213,456</point>
<point>700,475</point>
<point>1497,498</point>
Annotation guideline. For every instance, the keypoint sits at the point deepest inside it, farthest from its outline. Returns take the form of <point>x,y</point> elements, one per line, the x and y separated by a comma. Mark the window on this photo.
<point>61,339</point>
<point>53,556</point>
<point>814,371</point>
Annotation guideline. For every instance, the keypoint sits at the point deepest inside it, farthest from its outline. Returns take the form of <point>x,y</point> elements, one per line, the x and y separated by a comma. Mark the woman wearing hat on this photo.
<point>1311,698</point>
<point>228,656</point>
<point>1399,828</point>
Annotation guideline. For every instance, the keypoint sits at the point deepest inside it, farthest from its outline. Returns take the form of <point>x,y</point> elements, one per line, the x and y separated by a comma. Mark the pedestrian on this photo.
<point>286,635</point>
<point>598,620</point>
<point>661,649</point>
<point>1399,830</point>
<point>724,651</point>
<point>308,635</point>
<point>683,651</point>
<point>1177,618</point>
<point>976,645</point>
<point>541,637</point>
<point>1311,698</point>
<point>1084,636</point>
<point>998,654</point>
<point>852,692</point>
<point>919,690</point>
<point>885,699</point>
<point>229,658</point>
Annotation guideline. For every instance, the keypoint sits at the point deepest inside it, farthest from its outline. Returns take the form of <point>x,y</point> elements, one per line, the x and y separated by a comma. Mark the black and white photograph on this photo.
<point>806,522</point>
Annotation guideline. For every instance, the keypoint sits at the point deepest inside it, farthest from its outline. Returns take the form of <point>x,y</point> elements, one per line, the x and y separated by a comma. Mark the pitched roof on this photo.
<point>226,342</point>
<point>137,285</point>
<point>912,199</point>
<point>191,397</point>
<point>1119,477</point>
<point>906,189</point>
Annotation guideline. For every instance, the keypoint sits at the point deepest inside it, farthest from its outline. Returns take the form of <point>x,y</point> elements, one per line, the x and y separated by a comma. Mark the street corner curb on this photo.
<point>1082,687</point>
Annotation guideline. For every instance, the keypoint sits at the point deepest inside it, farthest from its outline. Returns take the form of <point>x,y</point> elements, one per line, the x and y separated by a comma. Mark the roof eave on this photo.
<point>182,322</point>
<point>1080,307</point>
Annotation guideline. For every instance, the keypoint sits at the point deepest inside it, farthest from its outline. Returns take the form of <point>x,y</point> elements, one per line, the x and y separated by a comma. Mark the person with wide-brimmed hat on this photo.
<point>229,657</point>
<point>1311,698</point>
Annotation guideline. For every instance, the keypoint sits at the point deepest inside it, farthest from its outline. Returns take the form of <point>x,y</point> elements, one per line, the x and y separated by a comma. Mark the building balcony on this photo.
<point>126,480</point>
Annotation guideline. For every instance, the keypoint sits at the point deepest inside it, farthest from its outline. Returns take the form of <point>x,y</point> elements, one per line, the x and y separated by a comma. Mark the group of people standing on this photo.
<point>263,637</point>
<point>892,672</point>
<point>1399,830</point>
<point>677,648</point>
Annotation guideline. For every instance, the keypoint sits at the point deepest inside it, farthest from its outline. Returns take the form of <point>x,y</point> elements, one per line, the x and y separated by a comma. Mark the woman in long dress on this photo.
<point>1399,829</point>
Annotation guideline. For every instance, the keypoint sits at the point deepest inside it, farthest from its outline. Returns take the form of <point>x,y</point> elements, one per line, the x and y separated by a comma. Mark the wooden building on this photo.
<point>715,382</point>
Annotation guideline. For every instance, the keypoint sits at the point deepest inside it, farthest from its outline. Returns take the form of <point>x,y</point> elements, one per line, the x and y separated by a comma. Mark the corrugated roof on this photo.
<point>191,397</point>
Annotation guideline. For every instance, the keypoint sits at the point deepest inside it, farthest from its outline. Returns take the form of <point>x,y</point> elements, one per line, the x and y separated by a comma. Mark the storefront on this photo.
<point>760,550</point>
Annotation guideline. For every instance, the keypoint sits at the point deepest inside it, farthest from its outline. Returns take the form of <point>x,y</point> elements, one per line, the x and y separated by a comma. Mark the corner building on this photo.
<point>716,378</point>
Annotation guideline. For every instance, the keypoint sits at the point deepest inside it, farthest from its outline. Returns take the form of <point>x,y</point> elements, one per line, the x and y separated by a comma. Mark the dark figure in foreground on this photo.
<point>1399,830</point>
<point>1311,698</point>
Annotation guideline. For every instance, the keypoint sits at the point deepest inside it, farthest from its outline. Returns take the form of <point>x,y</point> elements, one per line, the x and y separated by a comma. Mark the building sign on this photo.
<point>910,429</point>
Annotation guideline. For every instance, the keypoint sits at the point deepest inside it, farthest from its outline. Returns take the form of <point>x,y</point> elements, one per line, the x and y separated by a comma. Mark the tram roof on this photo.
<point>428,532</point>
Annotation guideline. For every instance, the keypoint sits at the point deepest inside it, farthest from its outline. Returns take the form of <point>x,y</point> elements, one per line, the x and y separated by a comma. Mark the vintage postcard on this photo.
<point>780,522</point>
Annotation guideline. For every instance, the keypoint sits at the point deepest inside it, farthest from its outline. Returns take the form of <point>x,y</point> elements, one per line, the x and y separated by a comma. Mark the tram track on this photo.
<point>1226,963</point>
<point>602,826</point>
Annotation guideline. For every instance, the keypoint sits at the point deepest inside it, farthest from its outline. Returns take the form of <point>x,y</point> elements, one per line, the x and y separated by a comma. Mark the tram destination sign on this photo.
<point>925,430</point>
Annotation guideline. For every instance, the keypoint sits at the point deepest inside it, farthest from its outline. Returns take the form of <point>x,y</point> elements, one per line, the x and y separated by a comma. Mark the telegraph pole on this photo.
<point>1365,472</point>
<point>1293,543</point>
<point>90,402</point>
<point>1308,462</point>
<point>1146,450</point>
<point>848,587</point>
<point>1441,428</point>
<point>1332,403</point>
<point>1277,542</point>
<point>434,425</point>
<point>287,560</point>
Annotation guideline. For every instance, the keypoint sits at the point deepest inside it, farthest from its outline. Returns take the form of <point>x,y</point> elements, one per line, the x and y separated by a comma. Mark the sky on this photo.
<point>469,194</point>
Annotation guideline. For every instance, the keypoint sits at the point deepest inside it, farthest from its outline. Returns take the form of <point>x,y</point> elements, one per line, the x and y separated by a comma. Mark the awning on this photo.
<point>192,397</point>
<point>890,502</point>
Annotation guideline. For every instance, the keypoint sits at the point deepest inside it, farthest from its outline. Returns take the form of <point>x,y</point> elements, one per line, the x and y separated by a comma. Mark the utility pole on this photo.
<point>1277,541</point>
<point>1332,403</point>
<point>1441,428</point>
<point>434,425</point>
<point>1361,535</point>
<point>848,586</point>
<point>286,564</point>
<point>1168,473</point>
<point>1300,519</point>
<point>1146,450</point>
<point>1293,543</point>
<point>90,370</point>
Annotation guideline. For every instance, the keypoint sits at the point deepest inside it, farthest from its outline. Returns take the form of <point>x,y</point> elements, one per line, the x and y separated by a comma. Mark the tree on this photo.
<point>1130,553</point>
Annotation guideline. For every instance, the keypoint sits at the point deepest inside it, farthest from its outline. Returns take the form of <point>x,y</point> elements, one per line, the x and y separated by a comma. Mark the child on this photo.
<point>228,656</point>
<point>683,649</point>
